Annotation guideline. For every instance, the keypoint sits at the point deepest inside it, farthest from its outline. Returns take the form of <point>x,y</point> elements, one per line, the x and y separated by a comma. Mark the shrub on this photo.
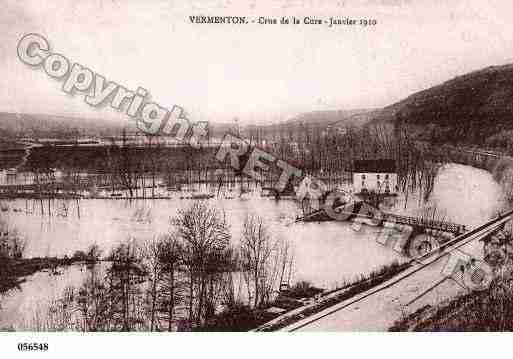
<point>302,289</point>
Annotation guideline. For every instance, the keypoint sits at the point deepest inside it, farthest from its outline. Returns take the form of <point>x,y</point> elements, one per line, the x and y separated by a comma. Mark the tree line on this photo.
<point>181,280</point>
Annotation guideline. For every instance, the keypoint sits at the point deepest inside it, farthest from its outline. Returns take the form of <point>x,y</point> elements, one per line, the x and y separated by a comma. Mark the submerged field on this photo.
<point>325,254</point>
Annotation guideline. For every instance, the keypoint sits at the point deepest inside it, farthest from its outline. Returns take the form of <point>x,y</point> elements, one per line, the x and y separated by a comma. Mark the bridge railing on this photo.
<point>429,223</point>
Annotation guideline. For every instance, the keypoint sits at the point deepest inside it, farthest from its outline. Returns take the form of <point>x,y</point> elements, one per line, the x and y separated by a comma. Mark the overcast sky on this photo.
<point>254,72</point>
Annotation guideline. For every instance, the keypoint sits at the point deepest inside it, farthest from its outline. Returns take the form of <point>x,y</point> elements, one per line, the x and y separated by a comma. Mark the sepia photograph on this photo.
<point>258,167</point>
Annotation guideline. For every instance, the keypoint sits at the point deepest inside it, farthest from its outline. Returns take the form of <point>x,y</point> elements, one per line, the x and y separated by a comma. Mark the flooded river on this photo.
<point>325,254</point>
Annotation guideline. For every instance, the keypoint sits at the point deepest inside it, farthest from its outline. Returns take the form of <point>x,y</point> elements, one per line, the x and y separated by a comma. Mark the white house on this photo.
<point>378,176</point>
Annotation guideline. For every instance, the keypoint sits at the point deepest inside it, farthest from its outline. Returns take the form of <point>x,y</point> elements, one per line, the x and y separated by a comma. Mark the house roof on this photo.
<point>374,166</point>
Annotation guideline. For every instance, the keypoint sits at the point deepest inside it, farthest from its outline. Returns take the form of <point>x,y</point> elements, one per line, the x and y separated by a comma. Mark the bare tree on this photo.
<point>124,165</point>
<point>163,258</point>
<point>171,286</point>
<point>262,260</point>
<point>125,276</point>
<point>152,256</point>
<point>205,236</point>
<point>93,304</point>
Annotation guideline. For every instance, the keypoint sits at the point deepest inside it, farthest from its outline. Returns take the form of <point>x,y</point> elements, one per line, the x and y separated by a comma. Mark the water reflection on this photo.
<point>326,254</point>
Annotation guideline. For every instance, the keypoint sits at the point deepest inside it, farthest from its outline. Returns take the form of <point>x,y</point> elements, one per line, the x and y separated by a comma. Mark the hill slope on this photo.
<point>469,108</point>
<point>41,125</point>
<point>476,108</point>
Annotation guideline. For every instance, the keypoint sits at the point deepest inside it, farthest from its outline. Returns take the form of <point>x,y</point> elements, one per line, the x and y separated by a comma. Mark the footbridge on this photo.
<point>363,211</point>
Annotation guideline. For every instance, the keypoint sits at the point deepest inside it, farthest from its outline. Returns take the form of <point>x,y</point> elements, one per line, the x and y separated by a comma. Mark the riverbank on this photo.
<point>333,297</point>
<point>14,271</point>
<point>489,310</point>
<point>296,303</point>
<point>327,255</point>
<point>479,198</point>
